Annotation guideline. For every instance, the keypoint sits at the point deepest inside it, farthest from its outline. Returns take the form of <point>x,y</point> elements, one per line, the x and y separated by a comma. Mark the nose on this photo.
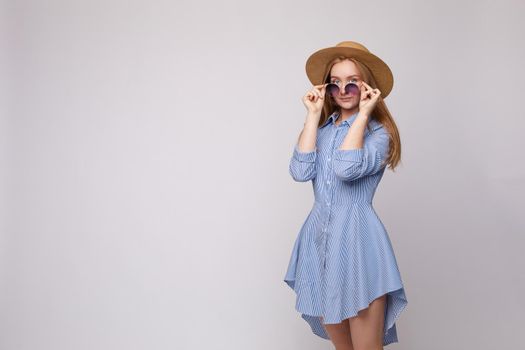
<point>342,90</point>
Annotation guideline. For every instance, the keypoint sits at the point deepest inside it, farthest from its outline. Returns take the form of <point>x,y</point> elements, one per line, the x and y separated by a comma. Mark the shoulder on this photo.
<point>378,134</point>
<point>376,128</point>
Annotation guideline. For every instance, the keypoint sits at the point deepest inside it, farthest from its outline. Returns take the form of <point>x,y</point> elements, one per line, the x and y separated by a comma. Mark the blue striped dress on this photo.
<point>342,258</point>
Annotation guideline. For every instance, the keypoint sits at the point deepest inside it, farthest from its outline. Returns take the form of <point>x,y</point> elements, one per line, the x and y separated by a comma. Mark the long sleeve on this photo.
<point>350,165</point>
<point>302,165</point>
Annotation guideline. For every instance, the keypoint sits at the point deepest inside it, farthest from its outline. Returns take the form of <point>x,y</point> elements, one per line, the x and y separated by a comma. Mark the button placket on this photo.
<point>329,196</point>
<point>329,173</point>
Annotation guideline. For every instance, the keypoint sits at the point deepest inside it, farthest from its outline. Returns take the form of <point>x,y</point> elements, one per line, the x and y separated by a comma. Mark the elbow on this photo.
<point>351,171</point>
<point>347,172</point>
<point>302,166</point>
<point>302,178</point>
<point>349,165</point>
<point>302,174</point>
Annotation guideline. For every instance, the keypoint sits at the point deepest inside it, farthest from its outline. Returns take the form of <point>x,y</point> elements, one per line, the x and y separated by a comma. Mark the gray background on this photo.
<point>146,200</point>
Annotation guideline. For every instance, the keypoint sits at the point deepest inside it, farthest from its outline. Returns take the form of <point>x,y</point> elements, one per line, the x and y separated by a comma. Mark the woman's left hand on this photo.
<point>369,98</point>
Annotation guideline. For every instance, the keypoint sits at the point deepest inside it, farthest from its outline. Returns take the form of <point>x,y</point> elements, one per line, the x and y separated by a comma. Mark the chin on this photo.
<point>347,105</point>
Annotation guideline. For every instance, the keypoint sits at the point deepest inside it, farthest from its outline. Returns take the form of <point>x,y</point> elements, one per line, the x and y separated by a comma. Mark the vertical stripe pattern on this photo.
<point>342,258</point>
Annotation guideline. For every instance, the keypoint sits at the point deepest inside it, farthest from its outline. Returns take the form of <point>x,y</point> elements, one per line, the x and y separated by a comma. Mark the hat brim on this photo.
<point>316,66</point>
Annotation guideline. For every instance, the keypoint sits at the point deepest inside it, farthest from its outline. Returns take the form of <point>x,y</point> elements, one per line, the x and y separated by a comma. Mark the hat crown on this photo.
<point>353,45</point>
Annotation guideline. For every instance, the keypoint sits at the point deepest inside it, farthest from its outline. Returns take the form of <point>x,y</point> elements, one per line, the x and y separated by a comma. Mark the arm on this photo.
<point>362,157</point>
<point>302,162</point>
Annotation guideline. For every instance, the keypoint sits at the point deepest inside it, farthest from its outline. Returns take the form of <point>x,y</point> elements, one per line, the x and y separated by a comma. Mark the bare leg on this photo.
<point>367,326</point>
<point>339,335</point>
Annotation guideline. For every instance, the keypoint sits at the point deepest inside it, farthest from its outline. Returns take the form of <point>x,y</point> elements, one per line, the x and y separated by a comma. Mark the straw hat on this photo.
<point>316,64</point>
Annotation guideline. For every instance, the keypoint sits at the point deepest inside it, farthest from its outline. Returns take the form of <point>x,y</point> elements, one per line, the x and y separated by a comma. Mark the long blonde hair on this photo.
<point>380,112</point>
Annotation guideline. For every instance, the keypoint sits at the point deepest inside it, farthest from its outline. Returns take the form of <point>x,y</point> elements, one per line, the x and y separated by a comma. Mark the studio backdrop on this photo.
<point>146,199</point>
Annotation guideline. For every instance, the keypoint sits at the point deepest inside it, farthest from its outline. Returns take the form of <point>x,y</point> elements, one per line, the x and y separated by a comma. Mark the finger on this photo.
<point>320,87</point>
<point>376,94</point>
<point>319,93</point>
<point>368,87</point>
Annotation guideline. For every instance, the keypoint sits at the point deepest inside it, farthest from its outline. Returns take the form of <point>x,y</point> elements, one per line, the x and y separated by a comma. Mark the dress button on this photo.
<point>329,158</point>
<point>328,182</point>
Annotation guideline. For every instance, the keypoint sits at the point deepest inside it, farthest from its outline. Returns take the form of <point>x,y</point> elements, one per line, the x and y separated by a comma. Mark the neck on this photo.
<point>347,113</point>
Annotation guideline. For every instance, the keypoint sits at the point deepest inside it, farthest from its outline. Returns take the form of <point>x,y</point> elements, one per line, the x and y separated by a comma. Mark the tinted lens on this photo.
<point>332,89</point>
<point>352,89</point>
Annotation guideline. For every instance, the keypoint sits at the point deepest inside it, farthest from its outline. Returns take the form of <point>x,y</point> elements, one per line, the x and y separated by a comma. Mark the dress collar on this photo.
<point>334,116</point>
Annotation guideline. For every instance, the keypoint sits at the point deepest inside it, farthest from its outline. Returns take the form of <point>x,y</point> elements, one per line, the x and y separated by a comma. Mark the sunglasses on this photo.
<point>350,88</point>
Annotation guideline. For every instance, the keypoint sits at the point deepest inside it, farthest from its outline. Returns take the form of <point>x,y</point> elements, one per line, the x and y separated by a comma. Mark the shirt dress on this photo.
<point>342,258</point>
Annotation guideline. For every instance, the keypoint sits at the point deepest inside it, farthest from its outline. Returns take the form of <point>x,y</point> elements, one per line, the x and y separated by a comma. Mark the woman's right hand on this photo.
<point>314,99</point>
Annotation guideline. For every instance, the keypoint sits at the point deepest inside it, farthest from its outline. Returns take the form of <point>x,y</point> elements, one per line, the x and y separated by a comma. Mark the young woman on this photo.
<point>342,267</point>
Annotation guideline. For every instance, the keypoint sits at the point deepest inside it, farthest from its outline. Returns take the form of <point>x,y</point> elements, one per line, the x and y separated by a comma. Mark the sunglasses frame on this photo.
<point>328,88</point>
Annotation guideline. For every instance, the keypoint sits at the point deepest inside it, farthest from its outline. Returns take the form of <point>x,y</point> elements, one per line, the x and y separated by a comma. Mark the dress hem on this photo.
<point>390,333</point>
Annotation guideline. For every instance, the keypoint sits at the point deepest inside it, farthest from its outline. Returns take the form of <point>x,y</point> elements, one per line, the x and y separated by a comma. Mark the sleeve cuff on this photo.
<point>349,155</point>
<point>304,156</point>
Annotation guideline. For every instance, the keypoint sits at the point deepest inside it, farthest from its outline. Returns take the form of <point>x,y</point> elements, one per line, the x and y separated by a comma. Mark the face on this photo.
<point>343,73</point>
